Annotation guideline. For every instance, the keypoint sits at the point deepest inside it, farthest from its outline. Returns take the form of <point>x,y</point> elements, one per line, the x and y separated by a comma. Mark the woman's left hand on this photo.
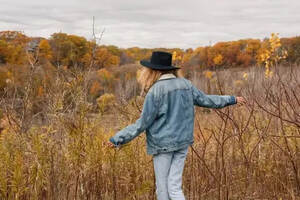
<point>108,144</point>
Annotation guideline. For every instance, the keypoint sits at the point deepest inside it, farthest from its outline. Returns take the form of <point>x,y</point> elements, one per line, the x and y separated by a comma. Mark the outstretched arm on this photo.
<point>149,113</point>
<point>212,101</point>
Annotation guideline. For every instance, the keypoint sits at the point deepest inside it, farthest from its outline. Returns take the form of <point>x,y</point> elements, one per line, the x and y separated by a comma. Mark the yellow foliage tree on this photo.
<point>208,74</point>
<point>272,55</point>
<point>245,75</point>
<point>218,60</point>
<point>105,101</point>
<point>176,57</point>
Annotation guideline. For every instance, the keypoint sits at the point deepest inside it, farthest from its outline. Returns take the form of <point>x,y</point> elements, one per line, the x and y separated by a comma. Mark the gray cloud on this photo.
<point>156,23</point>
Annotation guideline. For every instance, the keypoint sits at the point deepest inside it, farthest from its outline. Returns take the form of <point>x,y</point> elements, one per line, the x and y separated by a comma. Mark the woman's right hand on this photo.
<point>241,100</point>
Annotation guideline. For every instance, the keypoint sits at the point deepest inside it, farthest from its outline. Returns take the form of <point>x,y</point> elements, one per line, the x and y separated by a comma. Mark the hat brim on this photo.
<point>148,64</point>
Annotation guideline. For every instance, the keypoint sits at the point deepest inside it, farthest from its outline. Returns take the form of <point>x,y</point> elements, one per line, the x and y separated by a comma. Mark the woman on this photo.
<point>168,119</point>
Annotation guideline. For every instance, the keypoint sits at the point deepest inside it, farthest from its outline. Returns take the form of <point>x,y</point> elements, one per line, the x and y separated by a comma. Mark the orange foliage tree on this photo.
<point>45,51</point>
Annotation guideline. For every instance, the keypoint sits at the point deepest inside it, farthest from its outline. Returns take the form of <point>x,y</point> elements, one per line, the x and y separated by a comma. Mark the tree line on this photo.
<point>63,49</point>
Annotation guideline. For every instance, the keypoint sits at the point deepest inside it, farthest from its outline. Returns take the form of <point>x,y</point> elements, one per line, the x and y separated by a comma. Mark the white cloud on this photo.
<point>155,23</point>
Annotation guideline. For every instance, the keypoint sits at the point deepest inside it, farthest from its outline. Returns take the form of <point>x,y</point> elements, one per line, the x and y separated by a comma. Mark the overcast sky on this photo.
<point>154,23</point>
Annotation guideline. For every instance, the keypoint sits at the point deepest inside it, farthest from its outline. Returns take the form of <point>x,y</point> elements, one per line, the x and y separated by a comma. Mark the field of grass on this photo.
<point>51,140</point>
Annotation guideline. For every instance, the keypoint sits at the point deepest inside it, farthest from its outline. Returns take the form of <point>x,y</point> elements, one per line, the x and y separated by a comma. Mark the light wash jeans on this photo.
<point>168,168</point>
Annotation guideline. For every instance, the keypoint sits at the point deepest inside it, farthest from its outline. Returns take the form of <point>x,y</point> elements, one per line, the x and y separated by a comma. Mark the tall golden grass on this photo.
<point>55,151</point>
<point>52,133</point>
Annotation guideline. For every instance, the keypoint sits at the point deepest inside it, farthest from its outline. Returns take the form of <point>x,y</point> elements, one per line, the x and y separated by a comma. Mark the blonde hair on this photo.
<point>146,77</point>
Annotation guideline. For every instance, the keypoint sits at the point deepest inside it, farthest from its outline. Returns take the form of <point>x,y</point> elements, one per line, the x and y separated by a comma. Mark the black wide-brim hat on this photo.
<point>159,61</point>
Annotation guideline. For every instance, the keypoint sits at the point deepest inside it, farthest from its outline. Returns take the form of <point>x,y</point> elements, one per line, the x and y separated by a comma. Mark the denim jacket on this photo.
<point>168,115</point>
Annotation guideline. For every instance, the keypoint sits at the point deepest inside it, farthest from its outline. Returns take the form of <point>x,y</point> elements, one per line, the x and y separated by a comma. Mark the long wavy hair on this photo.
<point>146,77</point>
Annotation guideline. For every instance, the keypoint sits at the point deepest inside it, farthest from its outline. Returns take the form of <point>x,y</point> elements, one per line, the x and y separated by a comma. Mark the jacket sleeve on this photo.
<point>211,101</point>
<point>148,115</point>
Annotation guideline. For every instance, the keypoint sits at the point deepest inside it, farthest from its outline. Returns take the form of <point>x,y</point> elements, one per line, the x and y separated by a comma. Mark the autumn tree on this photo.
<point>218,60</point>
<point>44,52</point>
<point>104,59</point>
<point>292,45</point>
<point>68,50</point>
<point>13,47</point>
<point>3,51</point>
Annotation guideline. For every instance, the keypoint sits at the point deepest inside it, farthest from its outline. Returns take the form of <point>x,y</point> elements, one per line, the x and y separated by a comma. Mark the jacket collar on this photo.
<point>167,76</point>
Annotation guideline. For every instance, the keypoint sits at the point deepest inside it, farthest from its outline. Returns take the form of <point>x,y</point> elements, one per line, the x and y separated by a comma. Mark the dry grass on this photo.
<point>51,145</point>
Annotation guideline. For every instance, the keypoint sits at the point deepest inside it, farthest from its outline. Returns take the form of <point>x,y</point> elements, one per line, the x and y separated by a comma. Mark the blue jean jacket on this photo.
<point>168,115</point>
